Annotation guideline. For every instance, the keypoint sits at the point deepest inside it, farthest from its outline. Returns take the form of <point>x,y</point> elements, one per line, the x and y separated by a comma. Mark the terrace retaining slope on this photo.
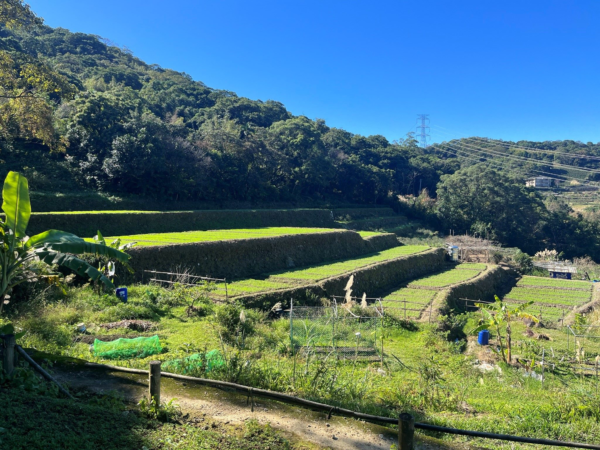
<point>493,281</point>
<point>128,223</point>
<point>373,279</point>
<point>242,258</point>
<point>585,308</point>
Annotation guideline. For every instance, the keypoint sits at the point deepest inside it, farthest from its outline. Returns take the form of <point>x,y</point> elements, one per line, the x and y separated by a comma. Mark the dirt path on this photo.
<point>209,404</point>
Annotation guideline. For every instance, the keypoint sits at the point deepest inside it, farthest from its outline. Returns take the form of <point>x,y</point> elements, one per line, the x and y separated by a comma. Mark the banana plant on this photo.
<point>498,314</point>
<point>52,247</point>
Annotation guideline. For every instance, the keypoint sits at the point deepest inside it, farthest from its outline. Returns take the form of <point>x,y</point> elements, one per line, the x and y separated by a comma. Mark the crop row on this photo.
<point>523,293</point>
<point>446,278</point>
<point>552,282</point>
<point>323,271</point>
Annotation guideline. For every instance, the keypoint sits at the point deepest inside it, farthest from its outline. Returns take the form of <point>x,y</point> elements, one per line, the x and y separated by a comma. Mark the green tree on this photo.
<point>481,199</point>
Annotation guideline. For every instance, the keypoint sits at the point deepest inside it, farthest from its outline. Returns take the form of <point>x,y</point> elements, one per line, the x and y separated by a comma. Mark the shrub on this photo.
<point>236,323</point>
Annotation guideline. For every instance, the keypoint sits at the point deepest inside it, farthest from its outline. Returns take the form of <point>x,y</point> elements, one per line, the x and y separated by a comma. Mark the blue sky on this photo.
<point>501,69</point>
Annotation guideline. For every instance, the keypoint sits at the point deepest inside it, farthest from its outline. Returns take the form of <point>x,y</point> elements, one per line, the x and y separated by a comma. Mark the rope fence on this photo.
<point>405,422</point>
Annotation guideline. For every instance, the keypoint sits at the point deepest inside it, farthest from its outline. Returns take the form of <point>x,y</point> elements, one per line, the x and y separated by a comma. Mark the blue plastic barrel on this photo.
<point>484,337</point>
<point>122,294</point>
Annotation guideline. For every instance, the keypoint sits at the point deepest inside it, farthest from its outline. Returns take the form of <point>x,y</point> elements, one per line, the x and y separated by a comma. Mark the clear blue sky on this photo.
<point>501,69</point>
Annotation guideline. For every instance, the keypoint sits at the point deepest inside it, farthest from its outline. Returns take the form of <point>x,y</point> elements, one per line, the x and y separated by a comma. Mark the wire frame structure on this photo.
<point>186,279</point>
<point>586,337</point>
<point>339,331</point>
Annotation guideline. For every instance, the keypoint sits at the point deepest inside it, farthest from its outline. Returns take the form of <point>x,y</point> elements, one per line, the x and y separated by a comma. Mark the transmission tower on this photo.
<point>423,125</point>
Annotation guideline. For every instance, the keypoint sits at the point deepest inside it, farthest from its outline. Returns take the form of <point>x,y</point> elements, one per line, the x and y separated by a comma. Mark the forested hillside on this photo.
<point>126,127</point>
<point>81,117</point>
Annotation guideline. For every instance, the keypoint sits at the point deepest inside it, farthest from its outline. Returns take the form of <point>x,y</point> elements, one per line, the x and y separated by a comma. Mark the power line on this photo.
<point>531,149</point>
<point>535,150</point>
<point>524,158</point>
<point>494,162</point>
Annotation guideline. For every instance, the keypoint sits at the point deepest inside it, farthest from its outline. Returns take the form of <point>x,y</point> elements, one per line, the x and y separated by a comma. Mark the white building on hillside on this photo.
<point>540,182</point>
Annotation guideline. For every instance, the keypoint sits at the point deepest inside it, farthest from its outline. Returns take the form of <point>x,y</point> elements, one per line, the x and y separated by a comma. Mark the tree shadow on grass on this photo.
<point>31,421</point>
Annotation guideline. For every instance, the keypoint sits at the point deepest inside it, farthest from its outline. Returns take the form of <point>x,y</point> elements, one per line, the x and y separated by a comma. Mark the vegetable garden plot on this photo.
<point>553,298</point>
<point>407,303</point>
<point>340,331</point>
<point>440,280</point>
<point>552,282</point>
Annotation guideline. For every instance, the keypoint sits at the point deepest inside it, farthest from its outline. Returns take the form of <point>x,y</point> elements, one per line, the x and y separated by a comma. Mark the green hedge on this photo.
<point>128,223</point>
<point>243,258</point>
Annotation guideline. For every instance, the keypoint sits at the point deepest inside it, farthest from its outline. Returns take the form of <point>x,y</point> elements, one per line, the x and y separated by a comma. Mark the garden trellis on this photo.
<point>339,330</point>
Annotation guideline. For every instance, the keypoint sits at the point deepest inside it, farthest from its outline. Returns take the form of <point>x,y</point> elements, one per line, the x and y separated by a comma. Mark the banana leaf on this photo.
<point>15,204</point>
<point>77,265</point>
<point>60,241</point>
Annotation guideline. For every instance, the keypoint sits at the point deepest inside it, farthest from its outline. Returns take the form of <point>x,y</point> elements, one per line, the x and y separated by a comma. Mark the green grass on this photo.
<point>452,276</point>
<point>213,235</point>
<point>152,239</point>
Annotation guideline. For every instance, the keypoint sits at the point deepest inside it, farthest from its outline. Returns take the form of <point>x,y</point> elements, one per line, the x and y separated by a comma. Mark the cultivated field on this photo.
<point>553,299</point>
<point>188,237</point>
<point>410,302</point>
<point>458,274</point>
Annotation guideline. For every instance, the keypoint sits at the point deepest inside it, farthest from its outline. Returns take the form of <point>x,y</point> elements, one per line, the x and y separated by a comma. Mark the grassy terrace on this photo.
<point>409,302</point>
<point>416,301</point>
<point>292,278</point>
<point>554,297</point>
<point>452,276</point>
<point>219,235</point>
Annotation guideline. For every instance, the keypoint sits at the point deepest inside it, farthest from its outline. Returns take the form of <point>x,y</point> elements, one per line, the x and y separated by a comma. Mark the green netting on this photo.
<point>127,348</point>
<point>194,362</point>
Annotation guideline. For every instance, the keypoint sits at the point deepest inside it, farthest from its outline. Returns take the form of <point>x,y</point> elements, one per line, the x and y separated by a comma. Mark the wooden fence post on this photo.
<point>8,358</point>
<point>154,381</point>
<point>406,432</point>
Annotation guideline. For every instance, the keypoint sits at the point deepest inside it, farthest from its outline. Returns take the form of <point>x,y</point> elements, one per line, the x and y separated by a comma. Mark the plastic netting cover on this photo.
<point>213,359</point>
<point>127,348</point>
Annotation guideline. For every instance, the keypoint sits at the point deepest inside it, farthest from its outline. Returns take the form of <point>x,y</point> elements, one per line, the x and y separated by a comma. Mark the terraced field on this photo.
<point>407,303</point>
<point>452,276</point>
<point>322,271</point>
<point>298,277</point>
<point>410,302</point>
<point>552,298</point>
<point>217,235</point>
